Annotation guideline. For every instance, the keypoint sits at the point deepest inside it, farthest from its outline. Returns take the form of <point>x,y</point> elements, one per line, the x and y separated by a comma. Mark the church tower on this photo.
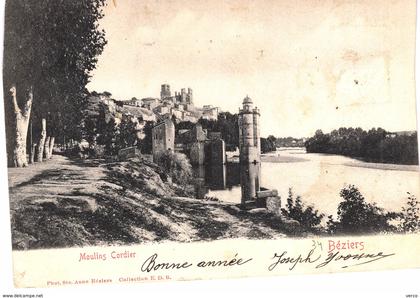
<point>249,132</point>
<point>165,91</point>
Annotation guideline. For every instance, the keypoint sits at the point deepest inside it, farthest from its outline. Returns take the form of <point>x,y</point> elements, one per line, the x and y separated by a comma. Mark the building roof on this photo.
<point>247,99</point>
<point>165,121</point>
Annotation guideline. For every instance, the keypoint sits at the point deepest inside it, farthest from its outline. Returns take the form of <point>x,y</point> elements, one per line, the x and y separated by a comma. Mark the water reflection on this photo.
<point>231,182</point>
<point>318,178</point>
<point>216,177</point>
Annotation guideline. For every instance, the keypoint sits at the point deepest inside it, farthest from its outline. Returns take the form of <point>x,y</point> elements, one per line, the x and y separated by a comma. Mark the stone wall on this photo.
<point>215,152</point>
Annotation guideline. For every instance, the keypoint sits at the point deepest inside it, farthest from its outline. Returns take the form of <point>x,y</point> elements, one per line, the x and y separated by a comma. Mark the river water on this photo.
<point>317,178</point>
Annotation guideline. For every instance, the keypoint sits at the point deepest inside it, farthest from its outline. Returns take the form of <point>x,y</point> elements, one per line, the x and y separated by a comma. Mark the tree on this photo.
<point>268,144</point>
<point>50,47</point>
<point>375,145</point>
<point>127,134</point>
<point>371,144</point>
<point>177,166</point>
<point>318,143</point>
<point>410,215</point>
<point>297,210</point>
<point>356,216</point>
<point>90,131</point>
<point>185,125</point>
<point>107,133</point>
<point>18,143</point>
<point>272,139</point>
<point>227,125</point>
<point>146,143</point>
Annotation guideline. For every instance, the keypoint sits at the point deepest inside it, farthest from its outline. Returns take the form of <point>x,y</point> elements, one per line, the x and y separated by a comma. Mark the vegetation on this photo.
<point>146,143</point>
<point>177,166</point>
<point>227,125</point>
<point>106,133</point>
<point>307,216</point>
<point>126,135</point>
<point>268,144</point>
<point>410,216</point>
<point>356,216</point>
<point>182,125</point>
<point>374,145</point>
<point>50,48</point>
<point>109,135</point>
<point>289,142</point>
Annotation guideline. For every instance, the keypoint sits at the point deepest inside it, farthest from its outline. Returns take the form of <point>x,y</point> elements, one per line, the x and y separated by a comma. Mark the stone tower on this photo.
<point>163,138</point>
<point>249,132</point>
<point>183,96</point>
<point>190,96</point>
<point>165,91</point>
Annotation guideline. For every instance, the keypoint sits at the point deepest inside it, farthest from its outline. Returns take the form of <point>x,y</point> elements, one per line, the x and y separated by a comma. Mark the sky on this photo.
<point>306,64</point>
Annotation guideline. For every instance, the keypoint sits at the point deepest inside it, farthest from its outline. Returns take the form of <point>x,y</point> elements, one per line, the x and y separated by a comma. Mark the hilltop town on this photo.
<point>162,114</point>
<point>178,106</point>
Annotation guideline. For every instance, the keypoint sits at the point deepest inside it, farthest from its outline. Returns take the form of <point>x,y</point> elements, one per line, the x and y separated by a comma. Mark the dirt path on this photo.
<point>65,202</point>
<point>58,176</point>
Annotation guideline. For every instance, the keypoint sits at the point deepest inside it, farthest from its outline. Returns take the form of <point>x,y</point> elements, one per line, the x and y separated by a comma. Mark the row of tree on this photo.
<point>375,145</point>
<point>50,48</point>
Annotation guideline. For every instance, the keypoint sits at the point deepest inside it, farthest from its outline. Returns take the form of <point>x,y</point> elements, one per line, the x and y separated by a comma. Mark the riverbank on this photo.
<point>67,202</point>
<point>289,154</point>
<point>274,156</point>
<point>318,178</point>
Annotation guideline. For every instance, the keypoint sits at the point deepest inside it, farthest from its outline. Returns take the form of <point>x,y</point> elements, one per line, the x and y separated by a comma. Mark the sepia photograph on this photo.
<point>132,125</point>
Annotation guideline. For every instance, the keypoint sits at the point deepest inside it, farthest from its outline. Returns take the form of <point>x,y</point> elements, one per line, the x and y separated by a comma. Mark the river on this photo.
<point>317,178</point>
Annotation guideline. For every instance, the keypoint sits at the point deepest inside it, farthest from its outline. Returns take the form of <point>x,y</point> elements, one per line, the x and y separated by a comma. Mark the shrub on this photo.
<point>98,151</point>
<point>355,216</point>
<point>78,151</point>
<point>410,216</point>
<point>177,166</point>
<point>74,151</point>
<point>307,216</point>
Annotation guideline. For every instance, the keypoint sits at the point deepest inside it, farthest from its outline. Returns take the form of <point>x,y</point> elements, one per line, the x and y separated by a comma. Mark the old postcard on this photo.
<point>153,141</point>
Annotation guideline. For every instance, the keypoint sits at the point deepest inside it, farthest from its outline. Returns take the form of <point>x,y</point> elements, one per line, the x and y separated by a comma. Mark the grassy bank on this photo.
<point>66,202</point>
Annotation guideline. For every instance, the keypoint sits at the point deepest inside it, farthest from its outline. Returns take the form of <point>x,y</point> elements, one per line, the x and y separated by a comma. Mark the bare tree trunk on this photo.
<point>19,158</point>
<point>50,153</point>
<point>47,148</point>
<point>32,154</point>
<point>42,140</point>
